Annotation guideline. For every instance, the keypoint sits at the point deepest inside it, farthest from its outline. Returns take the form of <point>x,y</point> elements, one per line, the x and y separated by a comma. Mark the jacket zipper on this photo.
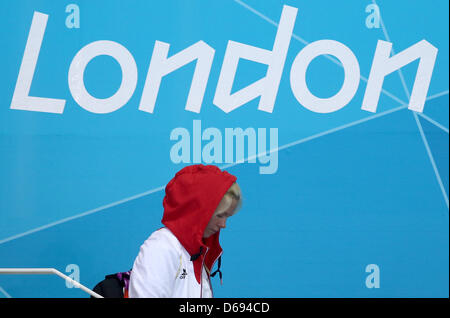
<point>201,273</point>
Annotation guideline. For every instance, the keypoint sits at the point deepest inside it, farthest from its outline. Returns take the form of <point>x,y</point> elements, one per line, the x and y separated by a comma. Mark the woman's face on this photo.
<point>219,218</point>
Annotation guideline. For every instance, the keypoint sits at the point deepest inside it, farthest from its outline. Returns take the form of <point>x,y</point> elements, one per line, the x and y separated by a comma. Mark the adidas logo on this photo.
<point>183,274</point>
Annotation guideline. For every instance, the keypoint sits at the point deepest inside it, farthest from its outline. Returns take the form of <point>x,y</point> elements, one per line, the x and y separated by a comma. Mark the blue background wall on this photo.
<point>86,189</point>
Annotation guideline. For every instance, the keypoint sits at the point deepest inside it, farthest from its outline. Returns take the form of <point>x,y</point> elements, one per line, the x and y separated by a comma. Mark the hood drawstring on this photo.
<point>195,256</point>
<point>218,271</point>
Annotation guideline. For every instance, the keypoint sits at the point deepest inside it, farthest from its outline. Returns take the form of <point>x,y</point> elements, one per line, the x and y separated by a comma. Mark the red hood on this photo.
<point>191,198</point>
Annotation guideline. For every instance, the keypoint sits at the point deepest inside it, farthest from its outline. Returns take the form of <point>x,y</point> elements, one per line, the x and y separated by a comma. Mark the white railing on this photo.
<point>49,271</point>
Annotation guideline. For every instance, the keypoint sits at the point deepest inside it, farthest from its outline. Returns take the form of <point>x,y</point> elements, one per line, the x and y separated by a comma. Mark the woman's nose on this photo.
<point>222,224</point>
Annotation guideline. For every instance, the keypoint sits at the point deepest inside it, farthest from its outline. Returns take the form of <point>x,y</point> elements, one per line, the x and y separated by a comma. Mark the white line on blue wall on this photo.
<point>434,122</point>
<point>101,208</point>
<point>5,293</point>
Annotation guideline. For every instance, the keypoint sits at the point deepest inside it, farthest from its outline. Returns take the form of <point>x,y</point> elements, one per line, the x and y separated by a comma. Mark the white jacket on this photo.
<point>163,269</point>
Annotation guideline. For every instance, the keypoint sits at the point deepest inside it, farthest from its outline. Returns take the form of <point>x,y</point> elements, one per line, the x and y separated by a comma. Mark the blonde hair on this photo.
<point>233,194</point>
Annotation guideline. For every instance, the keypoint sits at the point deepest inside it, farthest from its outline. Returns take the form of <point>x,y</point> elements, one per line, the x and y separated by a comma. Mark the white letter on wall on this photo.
<point>373,280</point>
<point>74,271</point>
<point>21,100</point>
<point>160,66</point>
<point>73,19</point>
<point>298,76</point>
<point>373,19</point>
<point>266,87</point>
<point>383,65</point>
<point>127,86</point>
